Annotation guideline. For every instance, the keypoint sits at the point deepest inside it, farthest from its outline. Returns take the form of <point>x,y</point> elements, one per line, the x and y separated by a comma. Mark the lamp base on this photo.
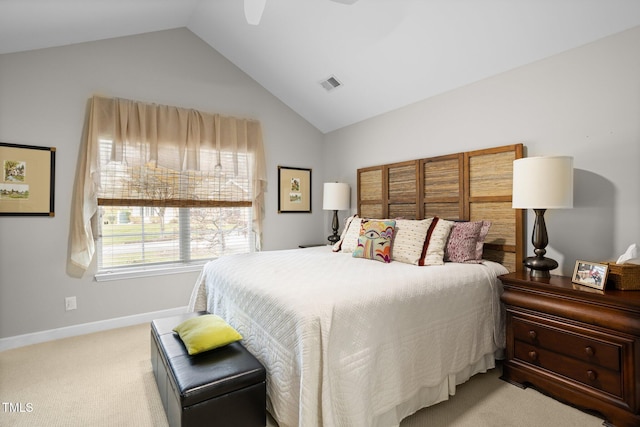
<point>540,266</point>
<point>334,225</point>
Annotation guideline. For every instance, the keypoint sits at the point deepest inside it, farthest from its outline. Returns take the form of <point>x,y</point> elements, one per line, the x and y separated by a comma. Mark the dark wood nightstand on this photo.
<point>577,344</point>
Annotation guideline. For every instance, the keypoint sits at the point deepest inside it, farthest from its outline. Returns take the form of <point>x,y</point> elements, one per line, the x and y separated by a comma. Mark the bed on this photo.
<point>349,341</point>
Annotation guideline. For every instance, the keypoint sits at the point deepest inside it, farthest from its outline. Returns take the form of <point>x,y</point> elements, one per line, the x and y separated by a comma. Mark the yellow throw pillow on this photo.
<point>206,332</point>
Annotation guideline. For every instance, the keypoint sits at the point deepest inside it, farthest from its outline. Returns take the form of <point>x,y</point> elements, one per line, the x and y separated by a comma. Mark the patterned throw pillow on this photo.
<point>409,239</point>
<point>462,243</point>
<point>375,240</point>
<point>433,251</point>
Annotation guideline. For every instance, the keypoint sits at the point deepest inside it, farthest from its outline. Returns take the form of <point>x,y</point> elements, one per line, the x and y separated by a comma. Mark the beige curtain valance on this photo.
<point>172,140</point>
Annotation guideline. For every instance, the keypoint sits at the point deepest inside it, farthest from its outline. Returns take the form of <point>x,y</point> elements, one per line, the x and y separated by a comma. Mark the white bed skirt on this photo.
<point>431,395</point>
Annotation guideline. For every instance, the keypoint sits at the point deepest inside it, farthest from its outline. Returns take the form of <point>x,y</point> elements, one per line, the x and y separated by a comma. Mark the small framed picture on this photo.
<point>590,274</point>
<point>27,182</point>
<point>294,190</point>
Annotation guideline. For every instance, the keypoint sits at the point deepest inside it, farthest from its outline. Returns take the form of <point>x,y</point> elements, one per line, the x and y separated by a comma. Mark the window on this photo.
<point>152,216</point>
<point>142,236</point>
<point>162,187</point>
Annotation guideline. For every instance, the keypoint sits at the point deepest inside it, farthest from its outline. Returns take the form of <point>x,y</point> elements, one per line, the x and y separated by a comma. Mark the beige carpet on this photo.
<point>105,379</point>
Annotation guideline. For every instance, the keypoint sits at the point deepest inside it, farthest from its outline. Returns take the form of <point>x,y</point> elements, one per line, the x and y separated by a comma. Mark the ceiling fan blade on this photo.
<point>253,10</point>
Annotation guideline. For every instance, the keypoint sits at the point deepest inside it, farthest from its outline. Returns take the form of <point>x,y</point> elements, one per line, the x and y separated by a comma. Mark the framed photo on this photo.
<point>590,274</point>
<point>294,190</point>
<point>27,182</point>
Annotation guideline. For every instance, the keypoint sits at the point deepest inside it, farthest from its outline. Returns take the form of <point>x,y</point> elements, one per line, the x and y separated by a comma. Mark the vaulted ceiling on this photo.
<point>385,53</point>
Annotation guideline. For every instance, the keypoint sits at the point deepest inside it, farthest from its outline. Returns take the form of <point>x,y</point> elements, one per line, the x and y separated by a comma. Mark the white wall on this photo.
<point>583,103</point>
<point>43,95</point>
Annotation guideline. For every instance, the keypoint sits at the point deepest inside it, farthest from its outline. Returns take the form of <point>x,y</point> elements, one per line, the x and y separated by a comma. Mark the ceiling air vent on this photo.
<point>330,83</point>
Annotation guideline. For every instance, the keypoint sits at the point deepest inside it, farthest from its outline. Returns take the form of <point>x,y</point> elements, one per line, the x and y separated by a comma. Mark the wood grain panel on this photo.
<point>441,179</point>
<point>443,210</point>
<point>372,210</point>
<point>402,182</point>
<point>503,221</point>
<point>371,185</point>
<point>508,259</point>
<point>403,210</point>
<point>491,174</point>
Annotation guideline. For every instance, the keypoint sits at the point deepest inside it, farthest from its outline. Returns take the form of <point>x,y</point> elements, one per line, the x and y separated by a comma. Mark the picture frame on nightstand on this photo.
<point>591,274</point>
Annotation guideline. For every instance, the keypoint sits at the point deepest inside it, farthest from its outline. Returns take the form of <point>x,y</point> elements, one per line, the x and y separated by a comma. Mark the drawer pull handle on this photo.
<point>533,335</point>
<point>592,375</point>
<point>533,355</point>
<point>589,350</point>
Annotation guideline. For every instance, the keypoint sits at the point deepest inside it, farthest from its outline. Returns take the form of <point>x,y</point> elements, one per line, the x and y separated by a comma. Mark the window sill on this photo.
<point>133,273</point>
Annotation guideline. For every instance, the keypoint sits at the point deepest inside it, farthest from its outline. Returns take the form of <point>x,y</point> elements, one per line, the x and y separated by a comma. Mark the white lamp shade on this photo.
<point>543,183</point>
<point>253,10</point>
<point>336,196</point>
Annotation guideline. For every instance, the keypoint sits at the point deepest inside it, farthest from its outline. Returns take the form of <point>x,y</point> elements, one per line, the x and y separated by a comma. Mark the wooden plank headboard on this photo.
<point>470,186</point>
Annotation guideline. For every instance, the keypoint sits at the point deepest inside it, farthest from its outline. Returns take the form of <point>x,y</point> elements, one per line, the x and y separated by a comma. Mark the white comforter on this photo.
<point>353,342</point>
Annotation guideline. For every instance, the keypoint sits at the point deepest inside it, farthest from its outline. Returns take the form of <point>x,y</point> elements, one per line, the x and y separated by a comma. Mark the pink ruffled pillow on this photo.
<point>463,242</point>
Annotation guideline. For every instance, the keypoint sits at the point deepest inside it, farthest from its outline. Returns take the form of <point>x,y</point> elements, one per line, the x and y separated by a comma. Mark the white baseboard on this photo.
<point>86,328</point>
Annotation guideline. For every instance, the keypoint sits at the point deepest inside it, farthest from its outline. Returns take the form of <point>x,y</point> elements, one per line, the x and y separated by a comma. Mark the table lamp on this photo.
<point>542,183</point>
<point>335,198</point>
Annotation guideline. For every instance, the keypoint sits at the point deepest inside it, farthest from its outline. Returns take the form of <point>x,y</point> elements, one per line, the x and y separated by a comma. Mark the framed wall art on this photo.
<point>294,190</point>
<point>27,182</point>
<point>590,274</point>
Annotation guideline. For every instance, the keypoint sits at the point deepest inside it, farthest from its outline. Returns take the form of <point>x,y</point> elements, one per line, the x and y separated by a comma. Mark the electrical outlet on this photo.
<point>70,303</point>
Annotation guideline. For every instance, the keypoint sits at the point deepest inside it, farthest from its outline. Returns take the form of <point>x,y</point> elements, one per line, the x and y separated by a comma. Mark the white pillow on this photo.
<point>350,241</point>
<point>337,245</point>
<point>409,240</point>
<point>437,242</point>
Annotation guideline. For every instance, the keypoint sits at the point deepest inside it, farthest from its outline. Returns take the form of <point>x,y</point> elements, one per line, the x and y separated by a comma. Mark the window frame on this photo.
<point>182,265</point>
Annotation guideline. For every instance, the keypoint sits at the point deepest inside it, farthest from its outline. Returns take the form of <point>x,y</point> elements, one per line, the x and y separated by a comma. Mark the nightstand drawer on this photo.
<point>586,373</point>
<point>586,349</point>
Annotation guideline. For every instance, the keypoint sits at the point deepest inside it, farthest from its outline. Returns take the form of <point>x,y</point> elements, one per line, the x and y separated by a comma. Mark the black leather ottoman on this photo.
<point>221,387</point>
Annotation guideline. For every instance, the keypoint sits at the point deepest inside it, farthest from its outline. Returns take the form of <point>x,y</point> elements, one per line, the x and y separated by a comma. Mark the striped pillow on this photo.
<point>409,240</point>
<point>433,251</point>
